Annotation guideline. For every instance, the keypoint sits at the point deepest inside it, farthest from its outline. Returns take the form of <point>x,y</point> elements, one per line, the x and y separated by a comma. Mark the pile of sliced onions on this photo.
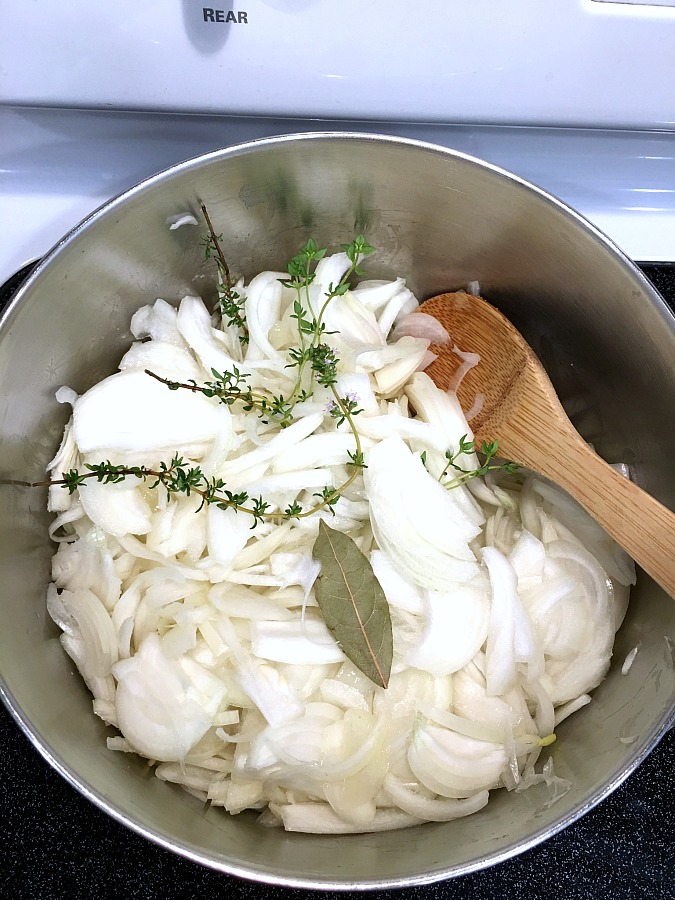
<point>200,639</point>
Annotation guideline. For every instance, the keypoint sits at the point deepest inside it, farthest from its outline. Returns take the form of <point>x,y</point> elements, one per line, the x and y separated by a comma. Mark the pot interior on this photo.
<point>440,220</point>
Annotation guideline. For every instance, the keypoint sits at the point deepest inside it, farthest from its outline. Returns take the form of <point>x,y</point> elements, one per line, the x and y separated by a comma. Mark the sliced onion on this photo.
<point>400,591</point>
<point>586,665</point>
<point>420,325</point>
<point>562,712</point>
<point>456,625</point>
<point>180,219</point>
<point>157,712</point>
<point>158,322</point>
<point>399,306</point>
<point>630,659</point>
<point>163,358</point>
<point>132,412</point>
<point>444,413</point>
<point>284,440</point>
<point>319,818</point>
<point>469,361</point>
<point>325,449</point>
<point>426,537</point>
<point>194,323</point>
<point>510,637</point>
<point>264,685</point>
<point>344,695</point>
<point>393,364</point>
<point>227,533</point>
<point>476,407</point>
<point>377,428</point>
<point>428,358</point>
<point>88,633</point>
<point>307,643</point>
<point>454,765</point>
<point>375,294</point>
<point>432,810</point>
<point>262,305</point>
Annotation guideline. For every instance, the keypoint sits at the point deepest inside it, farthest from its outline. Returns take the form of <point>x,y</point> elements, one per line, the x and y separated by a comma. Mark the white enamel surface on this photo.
<point>57,166</point>
<point>525,62</point>
<point>669,3</point>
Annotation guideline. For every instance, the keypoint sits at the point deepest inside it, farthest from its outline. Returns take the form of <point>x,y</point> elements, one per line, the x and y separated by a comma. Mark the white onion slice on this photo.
<point>194,324</point>
<point>454,765</point>
<point>263,301</point>
<point>400,592</point>
<point>432,810</point>
<point>398,307</point>
<point>443,411</point>
<point>510,639</point>
<point>157,322</point>
<point>476,407</point>
<point>302,643</point>
<point>164,359</point>
<point>118,509</point>
<point>180,219</point>
<point>630,659</point>
<point>375,295</point>
<point>469,361</point>
<point>319,818</point>
<point>420,325</point>
<point>456,625</point>
<point>159,711</point>
<point>427,539</point>
<point>131,411</point>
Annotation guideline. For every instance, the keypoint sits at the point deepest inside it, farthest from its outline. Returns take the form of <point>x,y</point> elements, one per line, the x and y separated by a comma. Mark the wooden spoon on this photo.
<point>521,410</point>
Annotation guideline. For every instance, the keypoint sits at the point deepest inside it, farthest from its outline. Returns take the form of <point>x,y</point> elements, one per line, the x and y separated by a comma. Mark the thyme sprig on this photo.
<point>348,407</point>
<point>231,387</point>
<point>321,357</point>
<point>230,301</point>
<point>313,349</point>
<point>178,477</point>
<point>488,449</point>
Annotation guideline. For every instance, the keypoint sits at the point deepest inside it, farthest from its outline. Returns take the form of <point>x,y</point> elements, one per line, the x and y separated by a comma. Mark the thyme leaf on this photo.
<point>488,450</point>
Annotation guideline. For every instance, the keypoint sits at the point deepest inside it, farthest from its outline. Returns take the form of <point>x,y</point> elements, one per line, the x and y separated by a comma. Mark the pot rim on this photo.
<point>41,744</point>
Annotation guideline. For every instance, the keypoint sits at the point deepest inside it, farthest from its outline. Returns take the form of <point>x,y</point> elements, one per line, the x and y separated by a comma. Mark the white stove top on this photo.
<point>56,166</point>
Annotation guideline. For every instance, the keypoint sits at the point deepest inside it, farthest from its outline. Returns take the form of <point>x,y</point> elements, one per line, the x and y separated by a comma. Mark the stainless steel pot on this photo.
<point>441,219</point>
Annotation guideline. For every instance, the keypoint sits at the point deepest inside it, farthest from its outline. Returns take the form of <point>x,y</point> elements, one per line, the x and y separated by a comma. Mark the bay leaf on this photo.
<point>353,604</point>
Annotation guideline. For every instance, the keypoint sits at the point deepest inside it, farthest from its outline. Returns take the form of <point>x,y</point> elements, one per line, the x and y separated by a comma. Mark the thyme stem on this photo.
<point>216,245</point>
<point>489,451</point>
<point>213,389</point>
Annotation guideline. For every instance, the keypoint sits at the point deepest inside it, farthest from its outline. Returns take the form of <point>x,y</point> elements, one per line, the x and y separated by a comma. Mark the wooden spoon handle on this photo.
<point>639,523</point>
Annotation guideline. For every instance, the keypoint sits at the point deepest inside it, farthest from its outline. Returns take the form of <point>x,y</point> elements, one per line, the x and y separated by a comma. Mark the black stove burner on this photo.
<point>12,285</point>
<point>662,276</point>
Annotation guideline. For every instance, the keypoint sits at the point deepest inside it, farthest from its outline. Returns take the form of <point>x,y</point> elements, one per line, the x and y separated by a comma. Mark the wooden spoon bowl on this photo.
<point>521,410</point>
